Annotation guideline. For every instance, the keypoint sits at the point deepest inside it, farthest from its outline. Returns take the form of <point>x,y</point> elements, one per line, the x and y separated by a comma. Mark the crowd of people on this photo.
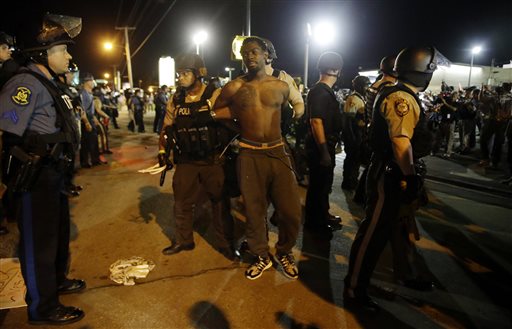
<point>50,128</point>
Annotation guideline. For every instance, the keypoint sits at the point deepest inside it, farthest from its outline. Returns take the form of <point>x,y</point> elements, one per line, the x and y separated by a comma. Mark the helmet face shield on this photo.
<point>57,29</point>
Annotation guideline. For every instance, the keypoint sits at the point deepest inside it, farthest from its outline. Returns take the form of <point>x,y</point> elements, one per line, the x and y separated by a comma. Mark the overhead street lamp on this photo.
<point>199,38</point>
<point>109,46</point>
<point>323,34</point>
<point>229,70</point>
<point>474,52</point>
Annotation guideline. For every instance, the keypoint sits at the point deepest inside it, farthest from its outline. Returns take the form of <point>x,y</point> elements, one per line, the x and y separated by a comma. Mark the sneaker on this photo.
<point>288,264</point>
<point>256,269</point>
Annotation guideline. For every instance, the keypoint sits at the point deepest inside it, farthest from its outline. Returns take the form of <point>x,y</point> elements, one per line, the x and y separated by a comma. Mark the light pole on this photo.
<point>306,55</point>
<point>109,46</point>
<point>474,52</point>
<point>199,38</point>
<point>229,70</point>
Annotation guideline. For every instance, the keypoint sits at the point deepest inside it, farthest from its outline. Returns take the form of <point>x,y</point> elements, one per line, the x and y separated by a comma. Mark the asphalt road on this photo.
<point>465,244</point>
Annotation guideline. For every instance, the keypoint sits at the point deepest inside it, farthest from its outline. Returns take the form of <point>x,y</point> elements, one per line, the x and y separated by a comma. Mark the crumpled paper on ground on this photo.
<point>125,271</point>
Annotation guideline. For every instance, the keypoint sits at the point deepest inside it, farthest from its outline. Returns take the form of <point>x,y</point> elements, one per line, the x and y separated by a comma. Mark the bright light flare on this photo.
<point>200,37</point>
<point>324,33</point>
<point>476,50</point>
<point>108,46</point>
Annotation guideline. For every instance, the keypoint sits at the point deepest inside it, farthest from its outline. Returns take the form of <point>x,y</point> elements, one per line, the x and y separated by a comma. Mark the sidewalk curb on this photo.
<point>473,186</point>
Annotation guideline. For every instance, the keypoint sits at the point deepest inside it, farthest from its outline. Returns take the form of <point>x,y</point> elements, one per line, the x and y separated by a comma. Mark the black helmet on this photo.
<point>329,60</point>
<point>6,39</point>
<point>191,62</point>
<point>271,50</point>
<point>56,30</point>
<point>387,65</point>
<point>72,67</point>
<point>360,84</point>
<point>416,65</point>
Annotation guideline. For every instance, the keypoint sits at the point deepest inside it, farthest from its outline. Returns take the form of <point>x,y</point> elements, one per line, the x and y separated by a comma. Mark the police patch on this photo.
<point>401,107</point>
<point>21,96</point>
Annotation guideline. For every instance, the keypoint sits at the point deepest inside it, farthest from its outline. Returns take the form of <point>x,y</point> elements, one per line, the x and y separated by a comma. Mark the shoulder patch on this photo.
<point>22,96</point>
<point>401,107</point>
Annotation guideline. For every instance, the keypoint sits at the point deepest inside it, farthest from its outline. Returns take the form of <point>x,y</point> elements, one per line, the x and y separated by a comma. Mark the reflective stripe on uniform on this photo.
<point>369,233</point>
<point>28,244</point>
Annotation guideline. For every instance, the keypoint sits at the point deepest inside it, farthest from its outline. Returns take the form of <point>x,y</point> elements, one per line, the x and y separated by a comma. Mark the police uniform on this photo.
<point>396,115</point>
<point>198,144</point>
<point>322,104</point>
<point>89,152</point>
<point>353,112</point>
<point>30,121</point>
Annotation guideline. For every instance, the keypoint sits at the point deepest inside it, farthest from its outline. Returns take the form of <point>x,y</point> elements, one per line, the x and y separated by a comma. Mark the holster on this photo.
<point>27,171</point>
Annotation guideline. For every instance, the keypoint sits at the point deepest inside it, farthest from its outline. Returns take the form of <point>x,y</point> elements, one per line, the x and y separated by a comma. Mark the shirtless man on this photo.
<point>255,100</point>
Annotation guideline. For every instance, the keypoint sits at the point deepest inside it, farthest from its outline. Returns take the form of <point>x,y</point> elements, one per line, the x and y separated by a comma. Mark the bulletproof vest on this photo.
<point>198,137</point>
<point>371,94</point>
<point>380,141</point>
<point>68,136</point>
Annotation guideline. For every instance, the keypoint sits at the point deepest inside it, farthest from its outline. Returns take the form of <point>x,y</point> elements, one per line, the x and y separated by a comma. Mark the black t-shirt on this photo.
<point>322,104</point>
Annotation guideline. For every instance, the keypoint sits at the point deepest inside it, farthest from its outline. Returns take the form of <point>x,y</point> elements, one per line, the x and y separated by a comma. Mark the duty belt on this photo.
<point>245,143</point>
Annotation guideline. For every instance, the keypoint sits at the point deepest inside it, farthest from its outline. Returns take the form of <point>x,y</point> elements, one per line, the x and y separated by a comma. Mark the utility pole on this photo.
<point>127,52</point>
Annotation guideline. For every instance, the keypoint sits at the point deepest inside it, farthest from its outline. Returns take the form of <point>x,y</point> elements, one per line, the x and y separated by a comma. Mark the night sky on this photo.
<point>366,30</point>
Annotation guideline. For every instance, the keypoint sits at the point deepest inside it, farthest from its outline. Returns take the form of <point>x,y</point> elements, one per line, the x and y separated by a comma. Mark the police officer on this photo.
<point>353,127</point>
<point>7,68</point>
<point>323,111</point>
<point>197,144</point>
<point>39,137</point>
<point>399,137</point>
<point>295,98</point>
<point>387,77</point>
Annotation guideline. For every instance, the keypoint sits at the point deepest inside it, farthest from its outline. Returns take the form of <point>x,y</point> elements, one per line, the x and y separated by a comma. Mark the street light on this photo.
<point>474,52</point>
<point>229,70</point>
<point>109,46</point>
<point>106,75</point>
<point>323,34</point>
<point>199,38</point>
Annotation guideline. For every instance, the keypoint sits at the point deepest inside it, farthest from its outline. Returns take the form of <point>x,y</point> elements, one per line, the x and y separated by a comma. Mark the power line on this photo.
<point>154,28</point>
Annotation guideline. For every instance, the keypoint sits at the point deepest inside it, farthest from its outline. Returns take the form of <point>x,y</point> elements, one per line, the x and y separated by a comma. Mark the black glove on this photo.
<point>325,158</point>
<point>411,186</point>
<point>162,159</point>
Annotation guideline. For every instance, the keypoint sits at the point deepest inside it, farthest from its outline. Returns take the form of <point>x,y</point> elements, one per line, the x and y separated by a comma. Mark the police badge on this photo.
<point>401,107</point>
<point>21,96</point>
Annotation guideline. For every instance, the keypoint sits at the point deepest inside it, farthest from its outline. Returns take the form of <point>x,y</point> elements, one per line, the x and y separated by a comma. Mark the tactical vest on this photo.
<point>68,137</point>
<point>198,137</point>
<point>380,141</point>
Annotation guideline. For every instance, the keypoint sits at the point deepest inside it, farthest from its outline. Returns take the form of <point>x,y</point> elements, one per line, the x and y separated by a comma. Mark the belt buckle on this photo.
<point>264,145</point>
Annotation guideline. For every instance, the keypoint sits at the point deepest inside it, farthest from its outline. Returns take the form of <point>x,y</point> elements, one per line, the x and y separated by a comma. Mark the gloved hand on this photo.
<point>106,121</point>
<point>325,158</point>
<point>411,186</point>
<point>162,159</point>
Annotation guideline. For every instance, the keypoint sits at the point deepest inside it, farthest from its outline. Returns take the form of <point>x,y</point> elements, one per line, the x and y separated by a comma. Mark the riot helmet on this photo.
<point>272,55</point>
<point>387,65</point>
<point>416,65</point>
<point>328,61</point>
<point>56,30</point>
<point>191,62</point>
<point>73,68</point>
<point>361,83</point>
<point>6,39</point>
